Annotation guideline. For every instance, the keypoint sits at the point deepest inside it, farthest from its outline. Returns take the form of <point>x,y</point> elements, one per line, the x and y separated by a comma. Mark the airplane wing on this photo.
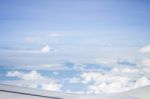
<point>13,92</point>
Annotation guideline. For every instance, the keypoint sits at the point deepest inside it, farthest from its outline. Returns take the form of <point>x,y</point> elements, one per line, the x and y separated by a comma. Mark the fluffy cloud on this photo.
<point>143,81</point>
<point>46,49</point>
<point>34,79</point>
<point>52,86</point>
<point>33,75</point>
<point>98,77</point>
<point>14,74</point>
<point>145,49</point>
<point>109,83</point>
<point>117,80</point>
<point>145,62</point>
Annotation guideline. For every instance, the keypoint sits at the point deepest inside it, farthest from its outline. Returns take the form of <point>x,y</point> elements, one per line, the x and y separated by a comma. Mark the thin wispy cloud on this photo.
<point>145,49</point>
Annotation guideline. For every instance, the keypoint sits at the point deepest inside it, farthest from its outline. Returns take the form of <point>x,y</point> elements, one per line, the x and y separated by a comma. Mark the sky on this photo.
<point>75,46</point>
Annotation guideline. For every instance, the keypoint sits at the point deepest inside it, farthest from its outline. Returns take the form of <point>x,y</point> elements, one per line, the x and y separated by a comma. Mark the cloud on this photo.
<point>34,79</point>
<point>125,70</point>
<point>109,83</point>
<point>55,66</point>
<point>14,74</point>
<point>104,83</point>
<point>55,35</point>
<point>126,63</point>
<point>33,75</point>
<point>46,49</point>
<point>117,80</point>
<point>146,62</point>
<point>52,86</point>
<point>74,80</point>
<point>145,49</point>
<point>143,81</point>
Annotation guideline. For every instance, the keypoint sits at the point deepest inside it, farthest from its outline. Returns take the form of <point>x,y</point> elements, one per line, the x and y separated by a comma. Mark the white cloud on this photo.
<point>105,61</point>
<point>74,80</point>
<point>52,86</point>
<point>104,83</point>
<point>32,85</point>
<point>143,81</point>
<point>98,82</point>
<point>98,77</point>
<point>77,92</point>
<point>14,74</point>
<point>145,49</point>
<point>54,66</point>
<point>46,49</point>
<point>146,62</point>
<point>33,75</point>
<point>34,79</point>
<point>125,70</point>
<point>104,87</point>
<point>55,35</point>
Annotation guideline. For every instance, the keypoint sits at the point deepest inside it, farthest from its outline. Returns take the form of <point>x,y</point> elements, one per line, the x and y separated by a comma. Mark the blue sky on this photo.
<point>70,42</point>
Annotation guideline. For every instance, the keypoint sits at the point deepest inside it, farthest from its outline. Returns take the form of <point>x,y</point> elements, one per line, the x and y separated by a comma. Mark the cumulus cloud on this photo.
<point>100,77</point>
<point>46,49</point>
<point>117,80</point>
<point>145,49</point>
<point>109,83</point>
<point>143,81</point>
<point>52,86</point>
<point>34,79</point>
<point>14,74</point>
<point>33,75</point>
<point>145,62</point>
